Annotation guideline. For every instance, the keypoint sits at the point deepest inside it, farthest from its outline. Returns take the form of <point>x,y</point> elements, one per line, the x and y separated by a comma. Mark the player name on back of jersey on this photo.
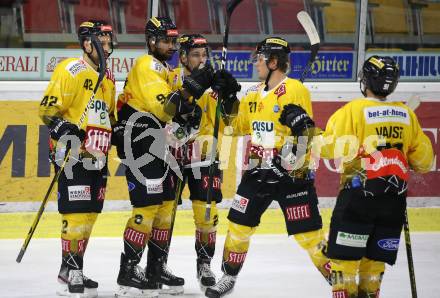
<point>386,114</point>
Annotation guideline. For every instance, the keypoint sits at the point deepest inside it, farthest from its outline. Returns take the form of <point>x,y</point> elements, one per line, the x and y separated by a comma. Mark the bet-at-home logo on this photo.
<point>352,240</point>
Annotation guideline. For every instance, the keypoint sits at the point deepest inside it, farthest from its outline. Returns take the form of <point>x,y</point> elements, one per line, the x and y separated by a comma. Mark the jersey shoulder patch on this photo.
<point>75,67</point>
<point>157,66</point>
<point>110,76</point>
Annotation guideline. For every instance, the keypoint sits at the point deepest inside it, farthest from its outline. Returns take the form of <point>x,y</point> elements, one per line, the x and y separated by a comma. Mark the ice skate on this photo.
<point>205,276</point>
<point>132,281</point>
<point>222,288</point>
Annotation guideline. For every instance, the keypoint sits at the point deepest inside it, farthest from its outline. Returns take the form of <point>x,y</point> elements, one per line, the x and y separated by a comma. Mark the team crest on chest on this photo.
<point>280,90</point>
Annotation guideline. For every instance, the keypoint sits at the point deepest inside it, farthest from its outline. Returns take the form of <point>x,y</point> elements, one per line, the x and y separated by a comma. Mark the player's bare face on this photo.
<point>106,42</point>
<point>197,58</point>
<point>165,48</point>
<point>261,67</point>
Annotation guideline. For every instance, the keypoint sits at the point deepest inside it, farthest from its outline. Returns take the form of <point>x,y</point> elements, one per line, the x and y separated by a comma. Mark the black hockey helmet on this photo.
<point>160,27</point>
<point>273,46</point>
<point>192,41</point>
<point>380,74</point>
<point>97,28</point>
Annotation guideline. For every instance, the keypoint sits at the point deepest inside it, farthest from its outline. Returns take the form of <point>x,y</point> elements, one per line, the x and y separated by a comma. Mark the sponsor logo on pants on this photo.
<point>240,204</point>
<point>298,212</point>
<point>352,240</point>
<point>154,186</point>
<point>79,193</point>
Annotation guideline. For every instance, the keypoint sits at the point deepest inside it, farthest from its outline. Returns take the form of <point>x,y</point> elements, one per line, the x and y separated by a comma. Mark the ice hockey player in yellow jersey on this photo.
<point>261,114</point>
<point>82,184</point>
<point>197,128</point>
<point>382,141</point>
<point>146,104</point>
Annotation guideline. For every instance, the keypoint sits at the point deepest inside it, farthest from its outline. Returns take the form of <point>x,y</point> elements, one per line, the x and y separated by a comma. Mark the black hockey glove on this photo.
<point>176,104</point>
<point>190,121</point>
<point>226,83</point>
<point>118,139</point>
<point>63,131</point>
<point>198,81</point>
<point>296,118</point>
<point>228,87</point>
<point>60,127</point>
<point>194,118</point>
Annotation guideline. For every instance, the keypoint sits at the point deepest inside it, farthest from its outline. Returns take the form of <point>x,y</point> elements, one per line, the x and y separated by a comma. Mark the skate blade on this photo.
<point>224,294</point>
<point>204,287</point>
<point>131,292</point>
<point>88,293</point>
<point>171,290</point>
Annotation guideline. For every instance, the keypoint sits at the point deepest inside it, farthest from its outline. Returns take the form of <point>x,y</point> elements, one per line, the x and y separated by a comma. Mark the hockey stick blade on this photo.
<point>309,27</point>
<point>306,22</point>
<point>414,102</point>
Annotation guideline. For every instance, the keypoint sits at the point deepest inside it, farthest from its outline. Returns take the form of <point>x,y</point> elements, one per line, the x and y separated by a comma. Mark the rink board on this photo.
<point>112,224</point>
<point>25,171</point>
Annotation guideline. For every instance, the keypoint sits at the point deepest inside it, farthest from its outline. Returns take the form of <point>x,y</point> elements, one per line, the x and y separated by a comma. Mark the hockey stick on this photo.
<point>212,165</point>
<point>308,25</point>
<point>413,103</point>
<point>102,66</point>
<point>409,256</point>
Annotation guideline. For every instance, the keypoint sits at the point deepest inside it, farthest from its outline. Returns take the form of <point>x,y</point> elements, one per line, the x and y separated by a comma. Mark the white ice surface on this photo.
<point>275,267</point>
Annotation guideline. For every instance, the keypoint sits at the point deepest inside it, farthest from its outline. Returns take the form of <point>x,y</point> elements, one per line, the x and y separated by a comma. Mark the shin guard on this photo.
<point>205,230</point>
<point>236,248</point>
<point>315,244</point>
<point>370,278</point>
<point>137,231</point>
<point>344,278</point>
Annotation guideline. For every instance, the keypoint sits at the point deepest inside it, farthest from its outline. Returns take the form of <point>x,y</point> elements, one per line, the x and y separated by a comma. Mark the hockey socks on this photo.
<point>75,233</point>
<point>344,278</point>
<point>315,244</point>
<point>370,278</point>
<point>236,247</point>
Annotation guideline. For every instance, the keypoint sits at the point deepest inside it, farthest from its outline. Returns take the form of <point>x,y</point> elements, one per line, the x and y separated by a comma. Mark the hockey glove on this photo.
<point>118,139</point>
<point>199,80</point>
<point>60,127</point>
<point>296,118</point>
<point>191,121</point>
<point>225,83</point>
<point>63,132</point>
<point>228,87</point>
<point>176,104</point>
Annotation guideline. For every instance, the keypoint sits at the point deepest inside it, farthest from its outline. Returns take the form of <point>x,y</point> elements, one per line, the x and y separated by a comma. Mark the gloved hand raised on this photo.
<point>198,81</point>
<point>227,86</point>
<point>225,83</point>
<point>296,118</point>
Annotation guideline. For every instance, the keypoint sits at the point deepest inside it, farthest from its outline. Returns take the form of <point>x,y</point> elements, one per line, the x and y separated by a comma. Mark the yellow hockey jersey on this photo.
<point>259,112</point>
<point>147,87</point>
<point>68,94</point>
<point>368,124</point>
